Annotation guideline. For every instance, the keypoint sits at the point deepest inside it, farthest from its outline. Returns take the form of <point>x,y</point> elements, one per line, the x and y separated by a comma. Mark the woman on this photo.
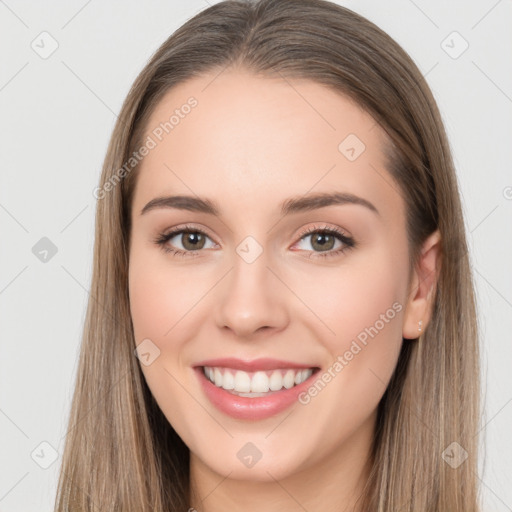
<point>282,313</point>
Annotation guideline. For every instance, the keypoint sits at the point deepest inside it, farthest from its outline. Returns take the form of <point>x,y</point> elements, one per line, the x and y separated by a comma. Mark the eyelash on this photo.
<point>348,242</point>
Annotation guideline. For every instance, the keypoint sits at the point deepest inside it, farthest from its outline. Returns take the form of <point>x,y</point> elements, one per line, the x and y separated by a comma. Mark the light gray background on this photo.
<point>57,115</point>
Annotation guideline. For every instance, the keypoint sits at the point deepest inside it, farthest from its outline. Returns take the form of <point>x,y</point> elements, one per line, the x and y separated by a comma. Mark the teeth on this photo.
<point>242,382</point>
<point>289,378</point>
<point>259,383</point>
<point>256,383</point>
<point>228,381</point>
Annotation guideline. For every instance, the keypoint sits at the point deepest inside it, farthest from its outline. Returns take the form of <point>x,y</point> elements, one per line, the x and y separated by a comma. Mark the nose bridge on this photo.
<point>251,297</point>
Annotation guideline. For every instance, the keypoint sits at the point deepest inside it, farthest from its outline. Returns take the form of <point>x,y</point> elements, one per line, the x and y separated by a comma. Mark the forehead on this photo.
<point>250,141</point>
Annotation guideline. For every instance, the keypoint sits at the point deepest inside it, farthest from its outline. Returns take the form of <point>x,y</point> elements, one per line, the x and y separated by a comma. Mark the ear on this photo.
<point>422,287</point>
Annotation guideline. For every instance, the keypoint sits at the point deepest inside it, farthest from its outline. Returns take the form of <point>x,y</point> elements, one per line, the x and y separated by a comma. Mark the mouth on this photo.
<point>259,383</point>
<point>254,395</point>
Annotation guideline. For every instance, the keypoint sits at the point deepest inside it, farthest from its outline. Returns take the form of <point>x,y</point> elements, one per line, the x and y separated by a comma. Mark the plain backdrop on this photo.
<point>57,112</point>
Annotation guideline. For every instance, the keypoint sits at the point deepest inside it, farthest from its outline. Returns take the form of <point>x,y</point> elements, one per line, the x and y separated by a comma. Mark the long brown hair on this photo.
<point>121,453</point>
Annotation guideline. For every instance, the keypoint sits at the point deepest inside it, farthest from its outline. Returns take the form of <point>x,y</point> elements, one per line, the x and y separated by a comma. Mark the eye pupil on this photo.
<point>323,240</point>
<point>193,237</point>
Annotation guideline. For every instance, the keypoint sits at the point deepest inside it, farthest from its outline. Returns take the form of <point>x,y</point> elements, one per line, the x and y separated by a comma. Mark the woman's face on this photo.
<point>251,283</point>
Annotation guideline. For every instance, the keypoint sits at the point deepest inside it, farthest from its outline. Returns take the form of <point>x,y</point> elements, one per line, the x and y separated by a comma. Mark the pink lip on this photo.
<point>263,364</point>
<point>245,408</point>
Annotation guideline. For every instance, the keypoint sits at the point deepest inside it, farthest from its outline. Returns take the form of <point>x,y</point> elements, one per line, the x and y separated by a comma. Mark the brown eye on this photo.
<point>184,242</point>
<point>322,241</point>
<point>192,240</point>
<point>325,242</point>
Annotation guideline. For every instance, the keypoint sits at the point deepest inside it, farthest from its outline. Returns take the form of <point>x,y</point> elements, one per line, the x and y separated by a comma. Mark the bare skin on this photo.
<point>250,144</point>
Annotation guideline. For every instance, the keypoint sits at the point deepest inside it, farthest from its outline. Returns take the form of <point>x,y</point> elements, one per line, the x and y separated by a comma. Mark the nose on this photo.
<point>251,299</point>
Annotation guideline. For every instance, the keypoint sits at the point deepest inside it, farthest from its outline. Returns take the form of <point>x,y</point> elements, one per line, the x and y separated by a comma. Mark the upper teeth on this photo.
<point>257,382</point>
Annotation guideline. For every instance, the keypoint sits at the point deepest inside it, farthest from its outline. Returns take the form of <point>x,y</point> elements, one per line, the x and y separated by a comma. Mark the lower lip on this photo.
<point>244,408</point>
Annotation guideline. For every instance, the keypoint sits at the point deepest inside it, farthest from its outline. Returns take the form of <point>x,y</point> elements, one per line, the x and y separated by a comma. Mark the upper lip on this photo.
<point>264,363</point>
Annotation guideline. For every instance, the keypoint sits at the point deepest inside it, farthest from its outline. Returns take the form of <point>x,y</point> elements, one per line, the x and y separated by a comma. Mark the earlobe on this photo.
<point>422,289</point>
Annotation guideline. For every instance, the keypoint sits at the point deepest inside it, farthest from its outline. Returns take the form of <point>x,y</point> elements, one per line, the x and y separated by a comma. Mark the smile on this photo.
<point>255,384</point>
<point>253,396</point>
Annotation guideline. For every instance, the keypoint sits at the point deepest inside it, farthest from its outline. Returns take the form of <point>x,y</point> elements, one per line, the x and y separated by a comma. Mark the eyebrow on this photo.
<point>289,206</point>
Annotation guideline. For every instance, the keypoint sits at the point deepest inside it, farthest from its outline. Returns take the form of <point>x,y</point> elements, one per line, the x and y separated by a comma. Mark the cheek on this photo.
<point>160,295</point>
<point>160,298</point>
<point>358,311</point>
<point>363,307</point>
<point>347,299</point>
<point>151,308</point>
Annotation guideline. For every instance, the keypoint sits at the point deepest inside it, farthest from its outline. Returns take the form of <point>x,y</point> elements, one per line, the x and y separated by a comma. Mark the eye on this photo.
<point>191,239</point>
<point>324,238</point>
